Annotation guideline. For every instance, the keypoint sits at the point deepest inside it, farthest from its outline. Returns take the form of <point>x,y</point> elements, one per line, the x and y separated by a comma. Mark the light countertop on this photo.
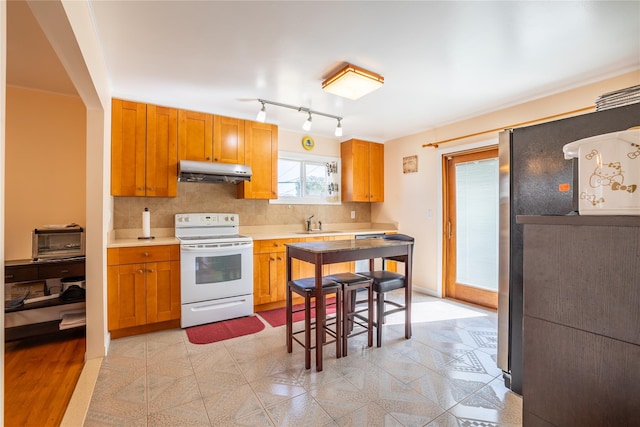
<point>166,236</point>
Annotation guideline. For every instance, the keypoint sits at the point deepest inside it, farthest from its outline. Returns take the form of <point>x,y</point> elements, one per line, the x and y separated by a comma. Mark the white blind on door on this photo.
<point>477,224</point>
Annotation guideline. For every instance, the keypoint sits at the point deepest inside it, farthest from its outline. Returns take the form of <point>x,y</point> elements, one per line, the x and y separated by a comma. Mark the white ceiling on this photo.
<point>442,61</point>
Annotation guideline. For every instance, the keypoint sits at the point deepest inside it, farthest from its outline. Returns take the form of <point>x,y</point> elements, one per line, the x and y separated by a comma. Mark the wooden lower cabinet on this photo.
<point>143,289</point>
<point>269,270</point>
<point>270,274</point>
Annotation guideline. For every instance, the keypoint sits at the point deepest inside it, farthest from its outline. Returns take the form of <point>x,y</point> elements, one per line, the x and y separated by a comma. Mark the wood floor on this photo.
<point>40,374</point>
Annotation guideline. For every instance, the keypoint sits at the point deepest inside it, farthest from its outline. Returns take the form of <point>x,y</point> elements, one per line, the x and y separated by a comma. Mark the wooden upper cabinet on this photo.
<point>362,171</point>
<point>128,146</point>
<point>376,172</point>
<point>261,153</point>
<point>228,140</point>
<point>162,152</point>
<point>209,138</point>
<point>143,150</point>
<point>195,136</point>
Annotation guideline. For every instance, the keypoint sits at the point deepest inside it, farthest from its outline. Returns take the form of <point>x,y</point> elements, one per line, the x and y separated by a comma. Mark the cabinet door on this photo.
<point>355,170</point>
<point>262,278</point>
<point>128,145</point>
<point>376,172</point>
<point>269,277</point>
<point>163,291</point>
<point>228,140</point>
<point>162,152</point>
<point>195,136</point>
<point>126,296</point>
<point>261,153</point>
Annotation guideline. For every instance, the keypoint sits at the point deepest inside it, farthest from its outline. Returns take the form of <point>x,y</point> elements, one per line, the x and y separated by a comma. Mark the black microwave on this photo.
<point>58,242</point>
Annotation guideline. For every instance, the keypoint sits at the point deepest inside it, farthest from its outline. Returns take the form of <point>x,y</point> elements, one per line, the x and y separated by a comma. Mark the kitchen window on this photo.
<point>307,179</point>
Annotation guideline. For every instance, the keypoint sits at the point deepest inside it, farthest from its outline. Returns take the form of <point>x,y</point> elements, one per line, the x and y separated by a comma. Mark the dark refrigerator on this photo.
<point>535,179</point>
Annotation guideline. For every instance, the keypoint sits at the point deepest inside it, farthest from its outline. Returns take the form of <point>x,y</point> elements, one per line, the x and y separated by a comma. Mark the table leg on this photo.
<point>407,293</point>
<point>289,304</point>
<point>320,312</point>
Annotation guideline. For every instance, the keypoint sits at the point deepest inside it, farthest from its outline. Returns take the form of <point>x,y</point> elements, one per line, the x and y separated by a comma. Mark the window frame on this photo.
<point>304,159</point>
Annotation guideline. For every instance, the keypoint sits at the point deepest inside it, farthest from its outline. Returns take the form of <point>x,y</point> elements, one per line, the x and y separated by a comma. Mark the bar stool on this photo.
<point>351,314</point>
<point>386,281</point>
<point>306,288</point>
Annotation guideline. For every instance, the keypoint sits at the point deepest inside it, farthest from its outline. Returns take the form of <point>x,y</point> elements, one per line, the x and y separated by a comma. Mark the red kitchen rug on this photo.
<point>278,316</point>
<point>220,331</point>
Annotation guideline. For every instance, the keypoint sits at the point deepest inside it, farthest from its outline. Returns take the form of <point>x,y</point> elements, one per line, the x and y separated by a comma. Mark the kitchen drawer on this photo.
<point>142,254</point>
<point>268,246</point>
<point>20,273</point>
<point>70,269</point>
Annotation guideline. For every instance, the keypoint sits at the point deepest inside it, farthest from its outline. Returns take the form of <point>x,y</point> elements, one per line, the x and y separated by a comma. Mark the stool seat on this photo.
<point>306,288</point>
<point>351,283</point>
<point>309,284</point>
<point>385,281</point>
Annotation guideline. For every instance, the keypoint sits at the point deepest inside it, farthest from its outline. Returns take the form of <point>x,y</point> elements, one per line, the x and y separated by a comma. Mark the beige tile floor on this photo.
<point>446,375</point>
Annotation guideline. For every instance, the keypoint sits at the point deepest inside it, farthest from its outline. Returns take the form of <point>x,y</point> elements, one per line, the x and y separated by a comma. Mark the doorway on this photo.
<point>470,229</point>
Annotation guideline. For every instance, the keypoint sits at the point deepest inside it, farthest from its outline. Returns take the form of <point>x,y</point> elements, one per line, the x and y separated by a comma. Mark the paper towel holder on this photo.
<point>146,226</point>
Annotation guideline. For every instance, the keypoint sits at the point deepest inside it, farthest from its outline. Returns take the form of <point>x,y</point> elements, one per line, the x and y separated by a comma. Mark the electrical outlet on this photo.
<point>353,214</point>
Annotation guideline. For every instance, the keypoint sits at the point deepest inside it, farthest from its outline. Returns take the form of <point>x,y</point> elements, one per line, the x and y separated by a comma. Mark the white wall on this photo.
<point>416,200</point>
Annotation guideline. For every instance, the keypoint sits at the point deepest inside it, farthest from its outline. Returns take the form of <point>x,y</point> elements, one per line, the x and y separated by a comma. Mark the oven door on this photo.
<point>214,271</point>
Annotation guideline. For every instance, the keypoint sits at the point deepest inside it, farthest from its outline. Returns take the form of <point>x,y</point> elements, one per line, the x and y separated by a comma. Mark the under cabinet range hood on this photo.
<point>192,171</point>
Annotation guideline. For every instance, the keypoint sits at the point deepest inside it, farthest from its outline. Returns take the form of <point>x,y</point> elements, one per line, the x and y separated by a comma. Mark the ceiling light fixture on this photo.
<point>262,114</point>
<point>307,124</point>
<point>352,82</point>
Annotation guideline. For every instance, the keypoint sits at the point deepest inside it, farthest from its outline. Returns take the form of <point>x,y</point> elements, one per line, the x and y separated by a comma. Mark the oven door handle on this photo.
<point>215,248</point>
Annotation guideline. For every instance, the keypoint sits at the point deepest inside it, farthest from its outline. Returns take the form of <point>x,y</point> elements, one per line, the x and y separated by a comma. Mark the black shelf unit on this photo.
<point>26,271</point>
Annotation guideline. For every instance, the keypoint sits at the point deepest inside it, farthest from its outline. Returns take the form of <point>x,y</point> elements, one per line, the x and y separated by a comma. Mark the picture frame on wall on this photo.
<point>410,164</point>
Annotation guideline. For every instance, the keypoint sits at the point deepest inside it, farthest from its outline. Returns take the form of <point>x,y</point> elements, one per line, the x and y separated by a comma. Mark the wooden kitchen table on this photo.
<point>335,251</point>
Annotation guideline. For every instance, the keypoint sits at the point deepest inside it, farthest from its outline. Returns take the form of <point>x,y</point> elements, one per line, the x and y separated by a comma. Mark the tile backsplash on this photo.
<point>195,197</point>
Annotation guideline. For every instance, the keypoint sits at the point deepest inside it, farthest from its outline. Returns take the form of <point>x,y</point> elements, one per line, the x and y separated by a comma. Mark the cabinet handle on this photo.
<point>140,188</point>
<point>8,276</point>
<point>272,259</point>
<point>215,159</point>
<point>150,188</point>
<point>64,271</point>
<point>140,271</point>
<point>279,258</point>
<point>150,270</point>
<point>146,254</point>
<point>208,158</point>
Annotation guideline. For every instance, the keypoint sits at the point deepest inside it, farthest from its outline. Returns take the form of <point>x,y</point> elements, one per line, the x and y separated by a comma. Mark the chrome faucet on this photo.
<point>309,222</point>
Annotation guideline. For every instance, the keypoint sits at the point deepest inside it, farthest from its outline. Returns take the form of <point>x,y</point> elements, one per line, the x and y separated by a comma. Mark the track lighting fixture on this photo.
<point>262,114</point>
<point>307,124</point>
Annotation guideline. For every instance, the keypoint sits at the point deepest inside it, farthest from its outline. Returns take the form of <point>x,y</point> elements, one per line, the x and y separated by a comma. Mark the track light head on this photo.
<point>338,129</point>
<point>262,114</point>
<point>307,125</point>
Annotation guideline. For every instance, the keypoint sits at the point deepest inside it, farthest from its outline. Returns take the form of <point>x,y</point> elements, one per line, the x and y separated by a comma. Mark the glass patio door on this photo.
<point>471,227</point>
